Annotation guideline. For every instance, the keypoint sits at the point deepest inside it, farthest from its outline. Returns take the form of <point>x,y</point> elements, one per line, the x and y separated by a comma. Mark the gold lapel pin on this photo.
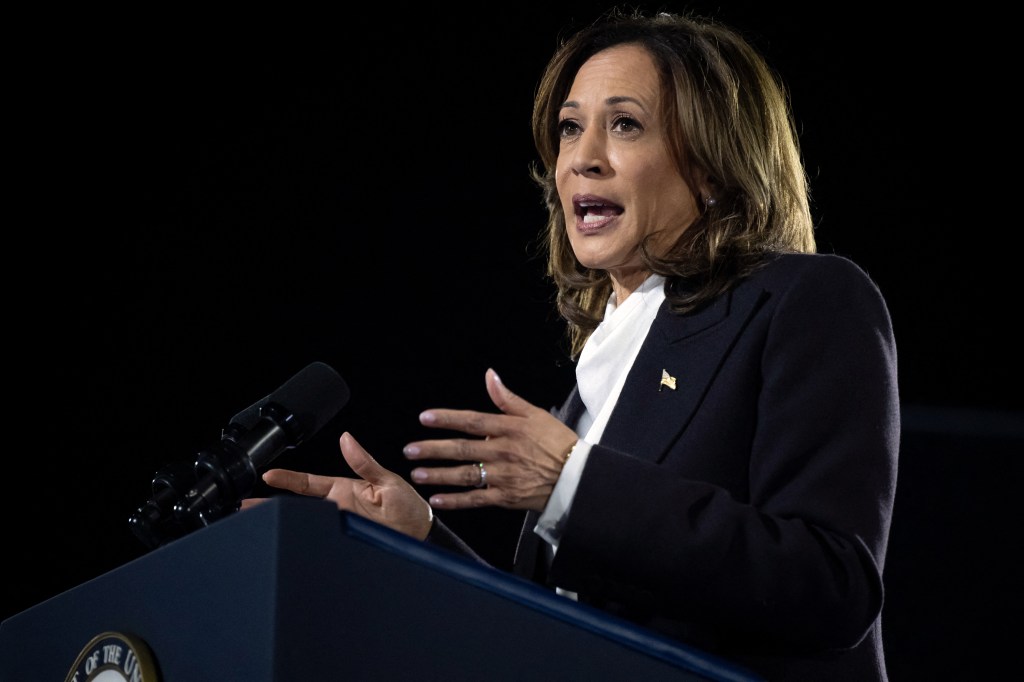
<point>667,380</point>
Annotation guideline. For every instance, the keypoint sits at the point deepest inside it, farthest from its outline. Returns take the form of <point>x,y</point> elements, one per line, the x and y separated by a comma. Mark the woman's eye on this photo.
<point>568,128</point>
<point>626,124</point>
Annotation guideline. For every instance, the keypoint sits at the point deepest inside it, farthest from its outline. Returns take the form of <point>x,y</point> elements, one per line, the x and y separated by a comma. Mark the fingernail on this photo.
<point>418,475</point>
<point>427,417</point>
<point>496,377</point>
<point>436,501</point>
<point>410,451</point>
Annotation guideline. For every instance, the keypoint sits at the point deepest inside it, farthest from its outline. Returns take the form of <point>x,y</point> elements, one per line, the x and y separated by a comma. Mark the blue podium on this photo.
<point>294,590</point>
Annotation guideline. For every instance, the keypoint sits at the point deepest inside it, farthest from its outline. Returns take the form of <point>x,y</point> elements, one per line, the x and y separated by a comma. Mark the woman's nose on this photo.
<point>589,156</point>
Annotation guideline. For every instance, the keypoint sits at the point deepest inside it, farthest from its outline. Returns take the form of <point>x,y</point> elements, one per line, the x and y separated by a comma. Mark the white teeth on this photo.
<point>592,218</point>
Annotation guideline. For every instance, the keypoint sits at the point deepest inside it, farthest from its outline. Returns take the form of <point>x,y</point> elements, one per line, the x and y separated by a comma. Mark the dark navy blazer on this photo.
<point>746,511</point>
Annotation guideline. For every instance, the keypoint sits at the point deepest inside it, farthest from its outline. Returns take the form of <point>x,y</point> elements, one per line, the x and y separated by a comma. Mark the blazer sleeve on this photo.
<point>441,535</point>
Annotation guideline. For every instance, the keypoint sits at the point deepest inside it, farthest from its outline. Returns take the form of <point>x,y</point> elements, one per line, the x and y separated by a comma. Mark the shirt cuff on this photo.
<point>552,521</point>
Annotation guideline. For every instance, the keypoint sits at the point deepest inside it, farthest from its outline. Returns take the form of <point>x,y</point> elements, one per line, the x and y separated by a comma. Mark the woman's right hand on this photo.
<point>379,494</point>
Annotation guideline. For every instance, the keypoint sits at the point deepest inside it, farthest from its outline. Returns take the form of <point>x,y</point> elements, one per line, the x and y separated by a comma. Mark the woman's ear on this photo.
<point>708,190</point>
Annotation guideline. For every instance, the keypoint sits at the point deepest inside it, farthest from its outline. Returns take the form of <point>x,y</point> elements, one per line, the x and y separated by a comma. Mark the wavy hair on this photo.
<point>728,115</point>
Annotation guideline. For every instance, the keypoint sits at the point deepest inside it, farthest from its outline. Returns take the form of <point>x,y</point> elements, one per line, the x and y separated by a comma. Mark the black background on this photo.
<point>207,207</point>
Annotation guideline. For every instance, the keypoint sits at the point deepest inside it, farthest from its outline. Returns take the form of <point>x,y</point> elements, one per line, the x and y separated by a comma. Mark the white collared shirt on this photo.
<point>601,372</point>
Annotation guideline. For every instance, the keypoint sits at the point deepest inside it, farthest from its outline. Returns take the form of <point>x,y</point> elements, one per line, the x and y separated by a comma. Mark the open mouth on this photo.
<point>594,211</point>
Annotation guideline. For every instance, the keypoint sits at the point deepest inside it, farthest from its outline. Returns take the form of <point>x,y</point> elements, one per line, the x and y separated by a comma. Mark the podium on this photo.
<point>294,590</point>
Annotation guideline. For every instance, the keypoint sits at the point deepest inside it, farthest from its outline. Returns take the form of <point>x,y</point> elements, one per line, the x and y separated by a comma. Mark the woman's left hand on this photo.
<point>514,464</point>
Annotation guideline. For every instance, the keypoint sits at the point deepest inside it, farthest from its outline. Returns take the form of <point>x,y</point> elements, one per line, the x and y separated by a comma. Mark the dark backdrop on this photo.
<point>207,208</point>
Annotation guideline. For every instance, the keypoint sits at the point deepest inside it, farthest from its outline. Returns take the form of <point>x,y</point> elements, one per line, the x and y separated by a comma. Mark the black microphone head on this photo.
<point>311,398</point>
<point>247,418</point>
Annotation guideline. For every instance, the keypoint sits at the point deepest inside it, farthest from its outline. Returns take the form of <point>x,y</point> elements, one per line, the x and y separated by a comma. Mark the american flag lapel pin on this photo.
<point>667,380</point>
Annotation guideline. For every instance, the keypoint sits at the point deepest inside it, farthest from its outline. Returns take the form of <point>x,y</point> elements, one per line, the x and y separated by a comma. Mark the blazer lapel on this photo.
<point>672,372</point>
<point>653,410</point>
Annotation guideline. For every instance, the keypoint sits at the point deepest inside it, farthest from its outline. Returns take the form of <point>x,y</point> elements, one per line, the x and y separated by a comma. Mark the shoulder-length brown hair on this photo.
<point>728,115</point>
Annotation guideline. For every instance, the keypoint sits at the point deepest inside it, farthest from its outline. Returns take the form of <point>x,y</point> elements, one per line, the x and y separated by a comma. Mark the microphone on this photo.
<point>222,476</point>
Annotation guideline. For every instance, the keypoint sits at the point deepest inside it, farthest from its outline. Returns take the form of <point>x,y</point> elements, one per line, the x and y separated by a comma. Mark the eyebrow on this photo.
<point>618,99</point>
